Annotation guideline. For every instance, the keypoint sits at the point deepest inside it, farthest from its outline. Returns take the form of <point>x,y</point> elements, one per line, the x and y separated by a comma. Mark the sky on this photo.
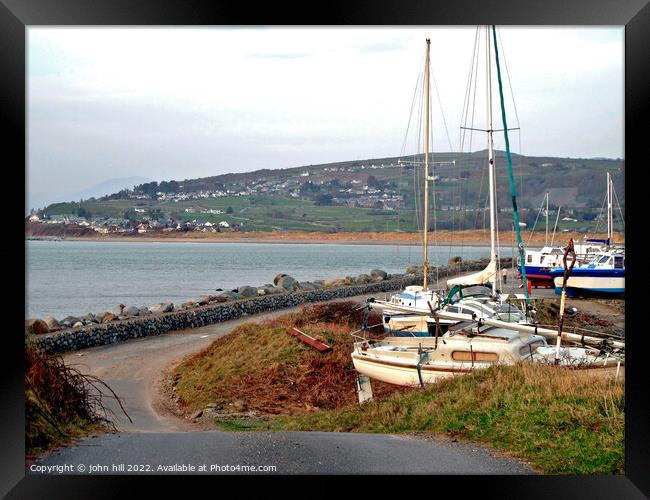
<point>181,103</point>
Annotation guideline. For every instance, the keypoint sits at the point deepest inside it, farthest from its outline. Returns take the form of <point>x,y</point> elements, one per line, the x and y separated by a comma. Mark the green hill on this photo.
<point>378,194</point>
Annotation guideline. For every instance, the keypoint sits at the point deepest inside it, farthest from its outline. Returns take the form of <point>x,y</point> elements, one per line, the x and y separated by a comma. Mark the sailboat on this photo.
<point>404,313</point>
<point>449,337</point>
<point>545,265</point>
<point>604,273</point>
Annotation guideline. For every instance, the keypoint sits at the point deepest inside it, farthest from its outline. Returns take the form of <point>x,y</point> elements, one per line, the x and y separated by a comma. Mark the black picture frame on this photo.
<point>16,15</point>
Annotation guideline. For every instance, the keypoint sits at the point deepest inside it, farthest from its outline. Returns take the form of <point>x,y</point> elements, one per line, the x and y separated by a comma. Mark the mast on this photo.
<point>491,166</point>
<point>426,171</point>
<point>546,236</point>
<point>511,177</point>
<point>609,210</point>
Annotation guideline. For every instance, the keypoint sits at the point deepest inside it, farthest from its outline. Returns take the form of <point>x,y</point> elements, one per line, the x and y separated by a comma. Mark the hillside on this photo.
<point>363,195</point>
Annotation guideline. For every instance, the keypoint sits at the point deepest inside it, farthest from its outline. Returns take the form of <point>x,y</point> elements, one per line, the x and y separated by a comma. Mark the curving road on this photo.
<point>156,438</point>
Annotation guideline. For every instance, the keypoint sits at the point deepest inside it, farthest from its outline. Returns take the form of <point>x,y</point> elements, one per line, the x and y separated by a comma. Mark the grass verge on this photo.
<point>563,421</point>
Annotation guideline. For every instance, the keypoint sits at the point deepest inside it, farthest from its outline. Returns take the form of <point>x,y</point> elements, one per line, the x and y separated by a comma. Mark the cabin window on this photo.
<point>618,262</point>
<point>529,258</point>
<point>530,348</point>
<point>486,357</point>
<point>452,309</point>
<point>386,319</point>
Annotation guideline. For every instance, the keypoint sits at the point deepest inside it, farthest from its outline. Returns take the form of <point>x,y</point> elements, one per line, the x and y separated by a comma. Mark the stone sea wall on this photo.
<point>92,335</point>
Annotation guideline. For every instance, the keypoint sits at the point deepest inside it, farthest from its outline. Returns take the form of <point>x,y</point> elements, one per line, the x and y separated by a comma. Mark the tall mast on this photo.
<point>609,210</point>
<point>491,166</point>
<point>426,170</point>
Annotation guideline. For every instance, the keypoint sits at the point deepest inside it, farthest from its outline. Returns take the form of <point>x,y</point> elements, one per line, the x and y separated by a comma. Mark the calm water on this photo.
<point>76,277</point>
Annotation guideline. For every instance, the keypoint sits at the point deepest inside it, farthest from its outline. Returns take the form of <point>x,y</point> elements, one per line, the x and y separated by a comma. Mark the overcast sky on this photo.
<point>178,103</point>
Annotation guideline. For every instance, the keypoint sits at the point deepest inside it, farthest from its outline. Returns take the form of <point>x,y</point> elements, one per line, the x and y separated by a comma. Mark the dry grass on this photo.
<point>262,368</point>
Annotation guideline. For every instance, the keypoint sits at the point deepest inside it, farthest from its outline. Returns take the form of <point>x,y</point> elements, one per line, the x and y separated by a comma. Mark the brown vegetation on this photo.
<point>263,369</point>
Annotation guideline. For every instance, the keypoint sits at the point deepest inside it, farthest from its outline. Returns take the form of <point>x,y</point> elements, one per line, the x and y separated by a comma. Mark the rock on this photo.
<point>214,406</point>
<point>51,322</point>
<point>131,311</point>
<point>68,321</point>
<point>107,317</point>
<point>247,291</point>
<point>197,414</point>
<point>163,307</point>
<point>37,326</point>
<point>231,295</point>
<point>278,278</point>
<point>288,283</point>
<point>378,274</point>
<point>78,324</point>
<point>414,270</point>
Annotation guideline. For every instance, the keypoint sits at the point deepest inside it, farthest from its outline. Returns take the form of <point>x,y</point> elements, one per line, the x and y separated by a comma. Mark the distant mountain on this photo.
<point>40,200</point>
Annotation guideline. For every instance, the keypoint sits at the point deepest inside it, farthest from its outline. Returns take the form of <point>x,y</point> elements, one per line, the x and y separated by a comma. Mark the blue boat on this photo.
<point>603,275</point>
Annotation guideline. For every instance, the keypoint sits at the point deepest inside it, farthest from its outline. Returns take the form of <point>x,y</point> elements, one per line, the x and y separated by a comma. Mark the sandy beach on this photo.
<point>442,238</point>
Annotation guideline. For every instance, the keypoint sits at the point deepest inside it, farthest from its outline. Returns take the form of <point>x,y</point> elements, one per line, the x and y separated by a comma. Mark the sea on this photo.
<point>77,277</point>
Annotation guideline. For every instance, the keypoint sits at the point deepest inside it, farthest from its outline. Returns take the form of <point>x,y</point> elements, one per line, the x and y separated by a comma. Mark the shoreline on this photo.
<point>475,238</point>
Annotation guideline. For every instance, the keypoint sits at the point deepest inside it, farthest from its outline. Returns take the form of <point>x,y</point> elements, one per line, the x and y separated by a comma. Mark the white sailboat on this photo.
<point>404,313</point>
<point>463,331</point>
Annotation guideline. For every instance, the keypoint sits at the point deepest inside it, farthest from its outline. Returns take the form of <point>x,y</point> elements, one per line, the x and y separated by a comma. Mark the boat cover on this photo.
<point>487,275</point>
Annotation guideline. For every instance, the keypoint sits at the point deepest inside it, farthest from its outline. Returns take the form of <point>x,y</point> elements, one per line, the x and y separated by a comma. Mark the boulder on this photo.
<point>247,291</point>
<point>163,307</point>
<point>277,278</point>
<point>131,311</point>
<point>288,283</point>
<point>68,321</point>
<point>37,326</point>
<point>51,322</point>
<point>231,295</point>
<point>455,261</point>
<point>378,274</point>
<point>107,317</point>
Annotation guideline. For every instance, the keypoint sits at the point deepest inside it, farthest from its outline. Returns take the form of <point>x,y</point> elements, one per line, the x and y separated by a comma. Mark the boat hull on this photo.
<point>403,374</point>
<point>605,282</point>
